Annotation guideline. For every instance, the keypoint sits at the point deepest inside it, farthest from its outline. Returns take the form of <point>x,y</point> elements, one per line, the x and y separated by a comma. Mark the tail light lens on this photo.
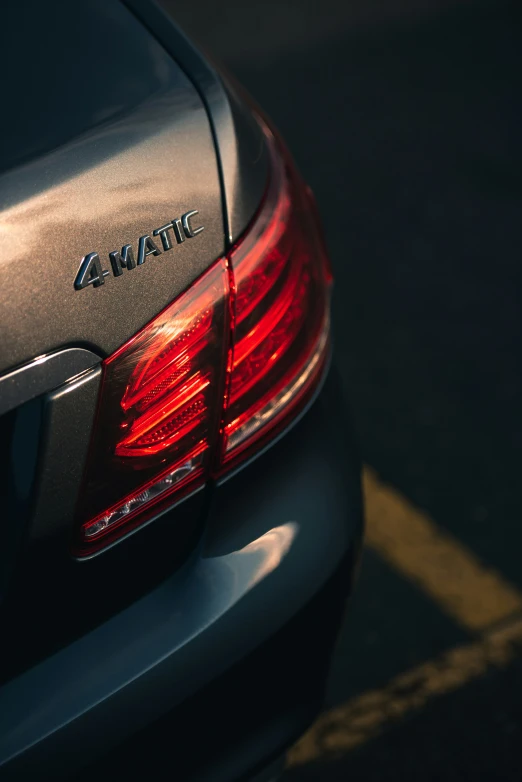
<point>281,310</point>
<point>217,373</point>
<point>159,412</point>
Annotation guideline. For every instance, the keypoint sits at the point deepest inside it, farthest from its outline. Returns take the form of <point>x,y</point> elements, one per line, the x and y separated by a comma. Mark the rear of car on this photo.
<point>181,503</point>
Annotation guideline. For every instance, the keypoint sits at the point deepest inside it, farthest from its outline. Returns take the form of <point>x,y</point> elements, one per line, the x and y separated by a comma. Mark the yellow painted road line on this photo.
<point>473,594</point>
<point>345,727</point>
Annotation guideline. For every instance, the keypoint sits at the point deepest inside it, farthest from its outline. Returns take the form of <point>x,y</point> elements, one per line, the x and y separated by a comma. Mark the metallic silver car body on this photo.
<point>101,190</point>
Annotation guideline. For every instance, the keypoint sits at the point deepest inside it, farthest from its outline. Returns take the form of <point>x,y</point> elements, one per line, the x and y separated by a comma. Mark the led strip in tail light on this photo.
<point>218,373</point>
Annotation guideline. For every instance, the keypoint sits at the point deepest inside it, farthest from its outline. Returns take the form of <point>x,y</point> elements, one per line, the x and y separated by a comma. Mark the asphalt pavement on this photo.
<point>406,119</point>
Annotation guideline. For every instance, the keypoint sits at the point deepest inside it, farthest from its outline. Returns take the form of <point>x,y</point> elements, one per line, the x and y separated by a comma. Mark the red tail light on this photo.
<point>217,373</point>
<point>281,311</point>
<point>159,412</point>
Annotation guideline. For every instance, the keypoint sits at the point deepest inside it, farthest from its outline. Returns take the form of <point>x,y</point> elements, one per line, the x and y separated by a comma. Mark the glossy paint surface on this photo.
<point>274,539</point>
<point>43,374</point>
<point>124,147</point>
<point>242,153</point>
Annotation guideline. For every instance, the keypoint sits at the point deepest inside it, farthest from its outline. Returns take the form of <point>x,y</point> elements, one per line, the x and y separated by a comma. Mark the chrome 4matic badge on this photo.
<point>92,273</point>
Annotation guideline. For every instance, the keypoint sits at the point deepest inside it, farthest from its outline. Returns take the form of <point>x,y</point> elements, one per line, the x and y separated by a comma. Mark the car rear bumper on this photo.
<point>223,665</point>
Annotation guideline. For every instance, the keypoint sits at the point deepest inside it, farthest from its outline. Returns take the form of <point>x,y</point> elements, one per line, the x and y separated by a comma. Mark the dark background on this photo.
<point>405,117</point>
